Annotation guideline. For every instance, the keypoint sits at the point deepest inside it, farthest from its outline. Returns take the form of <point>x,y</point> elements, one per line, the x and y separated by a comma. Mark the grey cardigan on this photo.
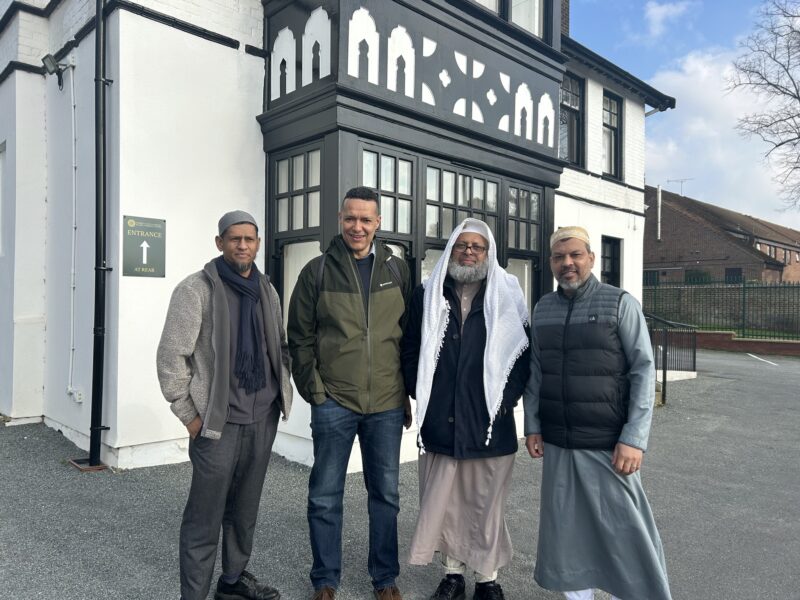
<point>194,349</point>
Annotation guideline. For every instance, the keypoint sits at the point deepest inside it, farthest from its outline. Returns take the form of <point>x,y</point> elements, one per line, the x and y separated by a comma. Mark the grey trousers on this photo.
<point>227,479</point>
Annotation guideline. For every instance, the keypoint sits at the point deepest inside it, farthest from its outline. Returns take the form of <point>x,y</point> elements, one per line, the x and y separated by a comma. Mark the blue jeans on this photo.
<point>333,430</point>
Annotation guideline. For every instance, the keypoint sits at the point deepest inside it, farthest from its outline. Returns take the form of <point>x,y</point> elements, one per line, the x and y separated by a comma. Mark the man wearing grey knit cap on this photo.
<point>588,406</point>
<point>223,365</point>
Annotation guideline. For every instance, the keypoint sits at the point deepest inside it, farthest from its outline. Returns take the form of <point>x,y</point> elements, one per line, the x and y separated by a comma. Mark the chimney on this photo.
<point>565,17</point>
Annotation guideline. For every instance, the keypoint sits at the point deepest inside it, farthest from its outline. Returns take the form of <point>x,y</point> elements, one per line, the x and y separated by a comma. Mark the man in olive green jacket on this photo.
<point>345,327</point>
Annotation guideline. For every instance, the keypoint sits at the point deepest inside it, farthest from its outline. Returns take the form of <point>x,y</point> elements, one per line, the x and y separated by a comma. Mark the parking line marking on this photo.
<point>762,360</point>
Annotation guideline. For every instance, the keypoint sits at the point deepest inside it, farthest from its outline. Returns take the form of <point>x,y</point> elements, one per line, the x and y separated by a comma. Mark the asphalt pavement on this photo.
<point>722,475</point>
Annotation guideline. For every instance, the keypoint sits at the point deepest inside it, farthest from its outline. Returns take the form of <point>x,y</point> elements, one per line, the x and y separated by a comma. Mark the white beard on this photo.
<point>467,273</point>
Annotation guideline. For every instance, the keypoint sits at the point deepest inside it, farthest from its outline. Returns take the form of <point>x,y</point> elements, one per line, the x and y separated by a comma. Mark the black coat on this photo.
<point>456,421</point>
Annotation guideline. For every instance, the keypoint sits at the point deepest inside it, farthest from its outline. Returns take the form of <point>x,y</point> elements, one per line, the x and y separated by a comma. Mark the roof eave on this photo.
<point>580,53</point>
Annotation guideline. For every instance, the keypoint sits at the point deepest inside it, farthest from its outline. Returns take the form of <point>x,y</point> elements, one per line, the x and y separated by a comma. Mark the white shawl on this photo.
<point>505,313</point>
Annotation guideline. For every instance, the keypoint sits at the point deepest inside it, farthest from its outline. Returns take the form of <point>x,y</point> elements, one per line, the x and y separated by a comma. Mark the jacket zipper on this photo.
<point>367,311</point>
<point>564,374</point>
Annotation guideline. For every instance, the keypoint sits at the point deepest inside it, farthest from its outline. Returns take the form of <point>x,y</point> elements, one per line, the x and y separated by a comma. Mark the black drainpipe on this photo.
<point>100,268</point>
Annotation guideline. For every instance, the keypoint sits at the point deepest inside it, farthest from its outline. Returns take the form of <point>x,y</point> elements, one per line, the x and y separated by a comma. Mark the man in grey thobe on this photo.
<point>588,407</point>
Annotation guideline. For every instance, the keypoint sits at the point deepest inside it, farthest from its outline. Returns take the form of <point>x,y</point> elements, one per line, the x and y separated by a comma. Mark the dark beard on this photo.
<point>466,273</point>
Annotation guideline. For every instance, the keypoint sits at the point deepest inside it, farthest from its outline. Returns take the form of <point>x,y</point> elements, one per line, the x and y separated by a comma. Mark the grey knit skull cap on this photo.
<point>234,218</point>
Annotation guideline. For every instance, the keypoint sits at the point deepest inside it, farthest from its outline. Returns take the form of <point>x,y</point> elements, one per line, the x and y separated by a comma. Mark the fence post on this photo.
<point>664,354</point>
<point>743,322</point>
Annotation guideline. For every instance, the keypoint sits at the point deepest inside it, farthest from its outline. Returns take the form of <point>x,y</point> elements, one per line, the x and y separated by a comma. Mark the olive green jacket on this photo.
<point>340,348</point>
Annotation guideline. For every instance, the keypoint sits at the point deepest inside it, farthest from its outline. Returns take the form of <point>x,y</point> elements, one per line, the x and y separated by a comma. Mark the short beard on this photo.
<point>241,267</point>
<point>467,273</point>
<point>573,285</point>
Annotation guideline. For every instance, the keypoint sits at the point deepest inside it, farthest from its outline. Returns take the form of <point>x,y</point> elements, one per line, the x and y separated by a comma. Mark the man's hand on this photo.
<point>194,426</point>
<point>626,459</point>
<point>407,417</point>
<point>535,445</point>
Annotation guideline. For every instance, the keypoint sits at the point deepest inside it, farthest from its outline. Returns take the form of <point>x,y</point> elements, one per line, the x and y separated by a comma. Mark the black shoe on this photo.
<point>450,588</point>
<point>247,588</point>
<point>490,590</point>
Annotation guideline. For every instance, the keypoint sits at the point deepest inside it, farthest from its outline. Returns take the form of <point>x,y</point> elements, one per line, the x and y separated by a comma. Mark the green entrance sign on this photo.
<point>143,246</point>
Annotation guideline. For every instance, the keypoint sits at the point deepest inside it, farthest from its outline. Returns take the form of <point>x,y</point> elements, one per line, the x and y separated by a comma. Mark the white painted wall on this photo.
<point>22,271</point>
<point>64,412</point>
<point>184,146</point>
<point>187,154</point>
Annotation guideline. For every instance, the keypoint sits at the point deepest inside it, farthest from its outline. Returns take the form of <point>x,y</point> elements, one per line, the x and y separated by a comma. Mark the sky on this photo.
<point>685,49</point>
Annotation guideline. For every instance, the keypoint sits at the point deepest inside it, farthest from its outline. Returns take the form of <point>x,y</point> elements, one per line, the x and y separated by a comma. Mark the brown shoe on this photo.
<point>388,593</point>
<point>324,593</point>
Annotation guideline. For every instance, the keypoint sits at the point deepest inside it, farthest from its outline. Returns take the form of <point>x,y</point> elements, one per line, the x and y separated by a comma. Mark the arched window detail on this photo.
<point>362,29</point>
<point>523,111</point>
<point>400,46</point>
<point>283,51</point>
<point>317,32</point>
<point>547,116</point>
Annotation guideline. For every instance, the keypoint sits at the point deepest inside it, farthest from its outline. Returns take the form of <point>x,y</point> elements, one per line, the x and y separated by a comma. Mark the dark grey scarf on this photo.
<point>249,367</point>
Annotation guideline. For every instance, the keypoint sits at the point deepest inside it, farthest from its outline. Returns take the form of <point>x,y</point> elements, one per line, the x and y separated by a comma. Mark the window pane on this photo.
<point>432,256</point>
<point>512,234</point>
<point>523,236</point>
<point>404,178</point>
<point>369,169</point>
<point>512,202</point>
<point>523,271</point>
<point>297,172</point>
<point>313,209</point>
<point>491,196</point>
<point>387,213</point>
<point>432,221</point>
<point>534,207</point>
<point>283,176</point>
<point>462,214</point>
<point>463,190</point>
<point>447,222</point>
<point>283,214</point>
<point>387,173</point>
<point>528,14</point>
<point>534,238</point>
<point>524,201</point>
<point>477,193</point>
<point>492,223</point>
<point>297,212</point>
<point>313,168</point>
<point>432,184</point>
<point>295,257</point>
<point>404,216</point>
<point>608,151</point>
<point>448,187</point>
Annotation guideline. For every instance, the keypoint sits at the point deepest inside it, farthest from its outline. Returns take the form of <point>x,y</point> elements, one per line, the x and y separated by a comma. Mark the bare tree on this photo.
<point>770,67</point>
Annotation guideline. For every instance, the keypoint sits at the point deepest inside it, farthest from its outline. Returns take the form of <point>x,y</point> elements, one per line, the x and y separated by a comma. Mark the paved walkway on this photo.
<point>722,475</point>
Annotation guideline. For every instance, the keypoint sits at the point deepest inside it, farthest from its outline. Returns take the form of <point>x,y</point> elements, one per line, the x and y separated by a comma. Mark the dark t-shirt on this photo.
<point>364,266</point>
<point>247,408</point>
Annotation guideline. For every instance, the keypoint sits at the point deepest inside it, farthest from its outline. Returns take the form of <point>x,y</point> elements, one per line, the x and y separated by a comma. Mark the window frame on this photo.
<point>275,196</point>
<point>575,134</point>
<point>613,275</point>
<point>617,133</point>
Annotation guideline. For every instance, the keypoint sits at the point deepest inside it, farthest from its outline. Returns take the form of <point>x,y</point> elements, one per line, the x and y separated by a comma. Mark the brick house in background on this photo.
<point>689,240</point>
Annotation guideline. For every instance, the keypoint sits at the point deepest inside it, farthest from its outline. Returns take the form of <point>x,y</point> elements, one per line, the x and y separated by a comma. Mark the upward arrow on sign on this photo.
<point>144,246</point>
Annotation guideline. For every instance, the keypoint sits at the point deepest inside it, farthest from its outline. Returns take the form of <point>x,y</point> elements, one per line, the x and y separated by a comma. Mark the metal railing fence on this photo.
<point>752,310</point>
<point>674,347</point>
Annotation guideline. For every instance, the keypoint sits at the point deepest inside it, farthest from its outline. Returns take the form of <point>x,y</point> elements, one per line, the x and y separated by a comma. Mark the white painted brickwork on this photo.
<point>67,19</point>
<point>241,20</point>
<point>4,4</point>
<point>33,38</point>
<point>593,188</point>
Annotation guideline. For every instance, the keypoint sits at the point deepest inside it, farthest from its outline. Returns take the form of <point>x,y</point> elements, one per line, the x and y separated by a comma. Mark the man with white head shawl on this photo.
<point>465,359</point>
<point>588,408</point>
